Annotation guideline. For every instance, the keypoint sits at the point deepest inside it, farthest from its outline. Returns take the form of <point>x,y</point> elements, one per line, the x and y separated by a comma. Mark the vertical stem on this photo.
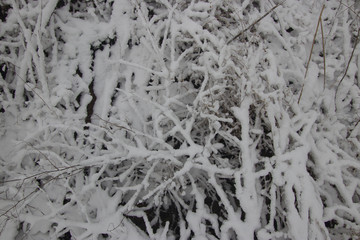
<point>311,51</point>
<point>323,46</point>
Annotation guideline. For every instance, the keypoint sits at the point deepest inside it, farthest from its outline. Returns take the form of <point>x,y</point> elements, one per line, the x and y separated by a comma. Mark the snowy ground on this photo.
<point>179,119</point>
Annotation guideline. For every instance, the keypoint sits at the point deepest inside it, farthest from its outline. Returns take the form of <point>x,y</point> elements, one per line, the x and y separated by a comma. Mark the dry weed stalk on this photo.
<point>254,23</point>
<point>311,51</point>
<point>347,66</point>
<point>13,207</point>
<point>323,47</point>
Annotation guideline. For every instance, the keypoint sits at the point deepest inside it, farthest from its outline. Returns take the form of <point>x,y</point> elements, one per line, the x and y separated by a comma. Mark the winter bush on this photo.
<point>133,119</point>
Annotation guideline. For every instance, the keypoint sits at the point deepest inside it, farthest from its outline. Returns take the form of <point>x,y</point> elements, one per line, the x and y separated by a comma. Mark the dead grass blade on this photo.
<point>323,47</point>
<point>311,51</point>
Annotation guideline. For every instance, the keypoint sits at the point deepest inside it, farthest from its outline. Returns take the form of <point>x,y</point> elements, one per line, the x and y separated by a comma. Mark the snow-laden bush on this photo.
<point>147,119</point>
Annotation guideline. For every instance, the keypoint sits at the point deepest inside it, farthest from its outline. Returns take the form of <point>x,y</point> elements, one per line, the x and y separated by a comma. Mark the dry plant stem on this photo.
<point>351,135</point>
<point>42,173</point>
<point>323,47</point>
<point>29,195</point>
<point>254,23</point>
<point>333,20</point>
<point>311,51</point>
<point>113,124</point>
<point>33,90</point>
<point>348,64</point>
<point>349,8</point>
<point>52,164</point>
<point>357,123</point>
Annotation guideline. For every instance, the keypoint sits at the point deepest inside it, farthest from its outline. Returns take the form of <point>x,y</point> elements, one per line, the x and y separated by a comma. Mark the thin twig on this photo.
<point>348,64</point>
<point>41,173</point>
<point>31,145</point>
<point>114,124</point>
<point>351,135</point>
<point>33,90</point>
<point>311,51</point>
<point>29,195</point>
<point>323,46</point>
<point>254,23</point>
<point>314,40</point>
<point>333,21</point>
<point>350,8</point>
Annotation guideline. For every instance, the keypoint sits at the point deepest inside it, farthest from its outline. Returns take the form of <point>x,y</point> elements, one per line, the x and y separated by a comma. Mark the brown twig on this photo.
<point>254,23</point>
<point>323,47</point>
<point>114,124</point>
<point>38,174</point>
<point>350,8</point>
<point>31,145</point>
<point>311,51</point>
<point>33,90</point>
<point>348,64</point>
<point>29,195</point>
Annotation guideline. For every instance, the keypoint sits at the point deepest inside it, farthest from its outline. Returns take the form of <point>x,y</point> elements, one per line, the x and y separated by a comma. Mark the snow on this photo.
<point>141,120</point>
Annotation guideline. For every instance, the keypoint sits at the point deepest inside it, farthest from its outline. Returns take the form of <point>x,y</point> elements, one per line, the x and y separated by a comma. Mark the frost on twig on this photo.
<point>140,120</point>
